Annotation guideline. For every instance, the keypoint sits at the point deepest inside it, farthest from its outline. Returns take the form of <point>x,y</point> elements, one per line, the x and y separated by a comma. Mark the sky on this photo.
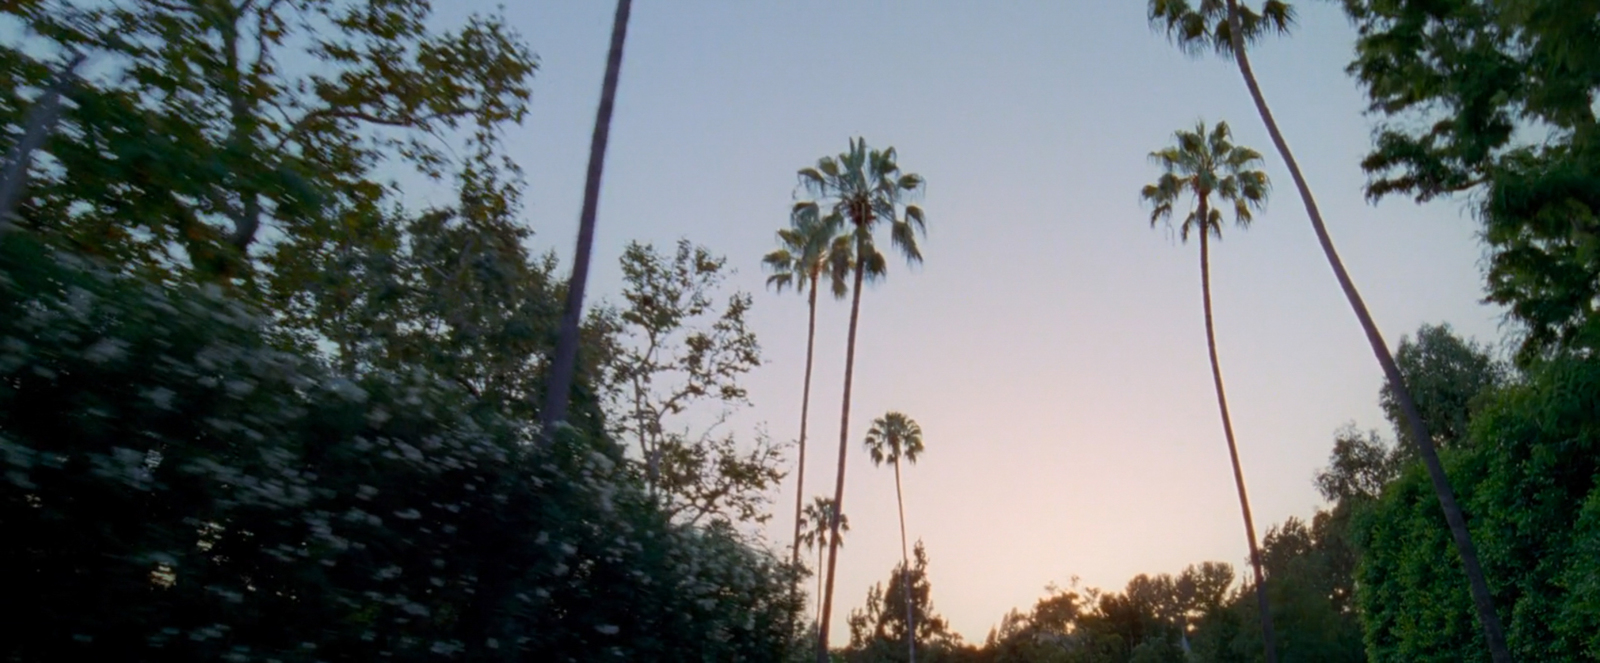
<point>1052,346</point>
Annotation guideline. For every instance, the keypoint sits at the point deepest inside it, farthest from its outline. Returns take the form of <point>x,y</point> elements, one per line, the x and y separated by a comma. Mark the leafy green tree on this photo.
<point>564,362</point>
<point>895,436</point>
<point>1495,99</point>
<point>1529,472</point>
<point>1225,27</point>
<point>1445,375</point>
<point>879,628</point>
<point>808,248</point>
<point>680,349</point>
<point>867,190</point>
<point>1204,163</point>
<point>211,136</point>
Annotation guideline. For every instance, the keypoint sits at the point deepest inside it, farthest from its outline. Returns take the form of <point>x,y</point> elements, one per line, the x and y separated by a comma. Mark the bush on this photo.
<point>174,486</point>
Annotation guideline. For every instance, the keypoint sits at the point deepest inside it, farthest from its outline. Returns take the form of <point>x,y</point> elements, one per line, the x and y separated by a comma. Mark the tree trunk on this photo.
<point>565,362</point>
<point>800,464</point>
<point>1269,640</point>
<point>1482,600</point>
<point>805,409</point>
<point>844,445</point>
<point>905,565</point>
<point>36,129</point>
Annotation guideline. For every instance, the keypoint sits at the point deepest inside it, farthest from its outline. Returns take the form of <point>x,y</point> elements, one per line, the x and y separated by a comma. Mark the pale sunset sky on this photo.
<point>1052,347</point>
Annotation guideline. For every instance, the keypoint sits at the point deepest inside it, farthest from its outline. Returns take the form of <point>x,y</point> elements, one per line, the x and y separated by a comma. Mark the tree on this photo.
<point>819,530</point>
<point>209,141</point>
<point>1495,100</point>
<point>1445,375</point>
<point>1224,27</point>
<point>1529,470</point>
<point>563,364</point>
<point>877,630</point>
<point>866,189</point>
<point>810,246</point>
<point>895,436</point>
<point>681,349</point>
<point>1201,164</point>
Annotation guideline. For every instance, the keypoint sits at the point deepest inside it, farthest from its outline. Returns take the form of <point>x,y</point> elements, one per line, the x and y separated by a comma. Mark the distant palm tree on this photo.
<point>866,189</point>
<point>818,519</point>
<point>808,248</point>
<point>1225,27</point>
<point>564,363</point>
<point>895,436</point>
<point>1201,164</point>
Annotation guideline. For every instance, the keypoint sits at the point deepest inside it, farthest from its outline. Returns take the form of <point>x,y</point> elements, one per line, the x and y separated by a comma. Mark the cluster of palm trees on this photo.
<point>859,192</point>
<point>1202,164</point>
<point>851,198</point>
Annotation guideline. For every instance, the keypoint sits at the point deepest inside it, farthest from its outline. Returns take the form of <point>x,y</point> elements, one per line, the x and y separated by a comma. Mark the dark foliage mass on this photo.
<point>175,488</point>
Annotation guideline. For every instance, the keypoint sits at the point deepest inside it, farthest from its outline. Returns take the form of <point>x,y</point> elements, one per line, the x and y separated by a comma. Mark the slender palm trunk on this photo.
<point>1269,640</point>
<point>805,410</point>
<point>1481,598</point>
<point>800,464</point>
<point>905,566</point>
<point>565,362</point>
<point>844,445</point>
<point>36,129</point>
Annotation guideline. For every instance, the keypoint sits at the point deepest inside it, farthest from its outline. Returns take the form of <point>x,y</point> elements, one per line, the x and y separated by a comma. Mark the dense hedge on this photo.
<point>175,487</point>
<point>1528,479</point>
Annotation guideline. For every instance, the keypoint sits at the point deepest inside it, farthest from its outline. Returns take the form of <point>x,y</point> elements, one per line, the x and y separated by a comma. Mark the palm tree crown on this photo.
<point>1204,26</point>
<point>1202,164</point>
<point>894,437</point>
<point>812,246</point>
<point>865,188</point>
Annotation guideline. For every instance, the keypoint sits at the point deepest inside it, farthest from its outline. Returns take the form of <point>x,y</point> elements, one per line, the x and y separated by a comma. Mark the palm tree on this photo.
<point>1224,27</point>
<point>810,246</point>
<point>815,533</point>
<point>565,361</point>
<point>892,437</point>
<point>1201,164</point>
<point>866,189</point>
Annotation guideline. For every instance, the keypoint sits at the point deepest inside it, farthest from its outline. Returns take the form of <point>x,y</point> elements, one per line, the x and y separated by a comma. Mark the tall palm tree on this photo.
<point>1225,27</point>
<point>808,248</point>
<point>892,437</point>
<point>819,525</point>
<point>565,361</point>
<point>1201,164</point>
<point>865,189</point>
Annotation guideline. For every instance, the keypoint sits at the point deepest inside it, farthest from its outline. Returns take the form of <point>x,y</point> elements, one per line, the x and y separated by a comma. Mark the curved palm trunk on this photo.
<point>1482,600</point>
<point>1269,640</point>
<point>565,361</point>
<point>905,566</point>
<point>844,442</point>
<point>800,464</point>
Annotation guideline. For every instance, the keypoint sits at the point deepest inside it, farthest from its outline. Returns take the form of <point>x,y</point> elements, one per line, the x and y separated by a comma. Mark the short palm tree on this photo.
<point>1225,27</point>
<point>895,436</point>
<point>809,248</point>
<point>818,525</point>
<point>866,190</point>
<point>1202,164</point>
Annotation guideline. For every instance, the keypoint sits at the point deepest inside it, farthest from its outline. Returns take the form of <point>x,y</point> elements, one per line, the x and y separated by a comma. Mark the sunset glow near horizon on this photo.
<point>1052,347</point>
